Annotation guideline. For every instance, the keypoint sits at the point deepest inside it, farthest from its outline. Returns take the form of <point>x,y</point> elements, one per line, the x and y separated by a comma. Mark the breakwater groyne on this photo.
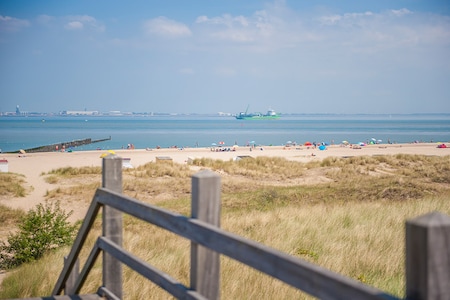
<point>62,146</point>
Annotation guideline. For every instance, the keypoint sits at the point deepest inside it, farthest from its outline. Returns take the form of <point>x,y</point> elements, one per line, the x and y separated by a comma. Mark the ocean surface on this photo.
<point>202,131</point>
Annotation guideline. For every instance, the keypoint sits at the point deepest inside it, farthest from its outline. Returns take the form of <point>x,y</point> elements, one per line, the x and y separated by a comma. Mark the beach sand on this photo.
<point>33,165</point>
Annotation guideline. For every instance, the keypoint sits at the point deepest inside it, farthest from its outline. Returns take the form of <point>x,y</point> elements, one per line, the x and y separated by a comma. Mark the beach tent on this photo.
<point>322,147</point>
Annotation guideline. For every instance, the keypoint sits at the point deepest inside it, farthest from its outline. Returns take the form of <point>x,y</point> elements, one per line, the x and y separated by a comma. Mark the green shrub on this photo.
<point>40,230</point>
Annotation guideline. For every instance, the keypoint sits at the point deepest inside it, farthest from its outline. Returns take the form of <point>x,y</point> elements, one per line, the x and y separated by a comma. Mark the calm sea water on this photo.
<point>201,131</point>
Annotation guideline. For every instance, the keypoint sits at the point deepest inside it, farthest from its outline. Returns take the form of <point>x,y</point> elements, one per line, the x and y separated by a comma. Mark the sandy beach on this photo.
<point>32,165</point>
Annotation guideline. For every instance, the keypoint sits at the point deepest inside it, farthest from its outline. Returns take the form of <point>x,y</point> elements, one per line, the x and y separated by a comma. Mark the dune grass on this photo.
<point>9,217</point>
<point>352,224</point>
<point>12,185</point>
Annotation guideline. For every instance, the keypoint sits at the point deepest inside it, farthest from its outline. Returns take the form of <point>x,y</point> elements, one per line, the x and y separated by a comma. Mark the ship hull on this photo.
<point>257,117</point>
<point>271,114</point>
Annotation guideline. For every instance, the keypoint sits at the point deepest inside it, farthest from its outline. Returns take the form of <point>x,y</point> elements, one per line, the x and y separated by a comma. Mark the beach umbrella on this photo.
<point>213,144</point>
<point>307,144</point>
<point>22,151</point>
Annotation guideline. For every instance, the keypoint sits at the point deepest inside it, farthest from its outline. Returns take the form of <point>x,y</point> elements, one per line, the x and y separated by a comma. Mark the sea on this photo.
<point>145,131</point>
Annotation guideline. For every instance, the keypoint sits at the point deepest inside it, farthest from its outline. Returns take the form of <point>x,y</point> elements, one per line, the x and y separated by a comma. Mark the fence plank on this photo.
<point>69,288</point>
<point>88,265</point>
<point>428,257</point>
<point>76,247</point>
<point>112,224</point>
<point>205,263</point>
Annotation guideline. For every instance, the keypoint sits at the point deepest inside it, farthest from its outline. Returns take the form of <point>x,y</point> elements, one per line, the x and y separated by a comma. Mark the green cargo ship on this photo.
<point>271,114</point>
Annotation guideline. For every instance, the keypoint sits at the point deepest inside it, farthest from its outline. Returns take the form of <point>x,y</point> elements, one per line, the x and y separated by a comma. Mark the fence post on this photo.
<point>73,276</point>
<point>112,224</point>
<point>205,263</point>
<point>428,257</point>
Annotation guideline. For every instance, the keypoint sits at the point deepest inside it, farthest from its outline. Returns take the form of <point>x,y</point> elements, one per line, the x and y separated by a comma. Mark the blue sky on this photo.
<point>224,55</point>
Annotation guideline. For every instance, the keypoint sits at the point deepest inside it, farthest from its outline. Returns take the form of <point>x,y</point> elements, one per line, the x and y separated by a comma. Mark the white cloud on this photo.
<point>237,29</point>
<point>264,30</point>
<point>74,25</point>
<point>10,24</point>
<point>401,12</point>
<point>165,27</point>
<point>82,22</point>
<point>225,20</point>
<point>44,19</point>
<point>371,32</point>
<point>330,20</point>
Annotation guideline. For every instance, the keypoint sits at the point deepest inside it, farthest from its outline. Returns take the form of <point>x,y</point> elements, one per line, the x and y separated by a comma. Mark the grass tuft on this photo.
<point>11,185</point>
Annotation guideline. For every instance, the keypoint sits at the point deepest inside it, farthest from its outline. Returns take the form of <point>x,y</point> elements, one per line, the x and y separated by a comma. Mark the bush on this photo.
<point>40,230</point>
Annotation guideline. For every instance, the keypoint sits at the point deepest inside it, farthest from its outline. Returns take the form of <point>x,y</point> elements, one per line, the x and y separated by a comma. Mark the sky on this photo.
<point>199,56</point>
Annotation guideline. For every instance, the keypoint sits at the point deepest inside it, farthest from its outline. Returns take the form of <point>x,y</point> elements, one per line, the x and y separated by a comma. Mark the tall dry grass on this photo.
<point>9,216</point>
<point>12,185</point>
<point>353,224</point>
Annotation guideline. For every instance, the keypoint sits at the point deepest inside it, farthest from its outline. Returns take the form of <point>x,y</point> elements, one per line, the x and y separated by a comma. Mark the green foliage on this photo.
<point>40,230</point>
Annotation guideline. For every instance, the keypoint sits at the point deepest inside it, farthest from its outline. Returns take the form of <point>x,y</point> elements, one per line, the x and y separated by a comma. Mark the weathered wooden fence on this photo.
<point>427,250</point>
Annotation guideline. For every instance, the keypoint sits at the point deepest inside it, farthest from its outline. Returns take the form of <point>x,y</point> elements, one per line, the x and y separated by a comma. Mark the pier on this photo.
<point>63,145</point>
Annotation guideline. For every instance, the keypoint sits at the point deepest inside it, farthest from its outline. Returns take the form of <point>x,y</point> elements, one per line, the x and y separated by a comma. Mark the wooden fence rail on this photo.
<point>427,249</point>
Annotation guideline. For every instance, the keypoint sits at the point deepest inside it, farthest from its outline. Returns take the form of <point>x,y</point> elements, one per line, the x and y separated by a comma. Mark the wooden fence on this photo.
<point>427,249</point>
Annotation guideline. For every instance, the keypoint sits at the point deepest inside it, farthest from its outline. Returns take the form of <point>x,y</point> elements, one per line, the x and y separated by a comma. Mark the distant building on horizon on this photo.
<point>80,112</point>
